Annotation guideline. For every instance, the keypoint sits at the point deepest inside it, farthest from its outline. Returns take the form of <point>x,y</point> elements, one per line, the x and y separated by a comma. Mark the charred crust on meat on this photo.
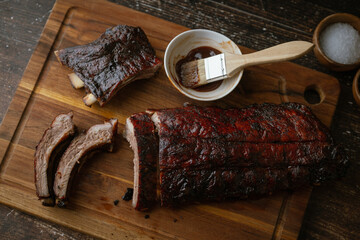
<point>215,154</point>
<point>119,56</point>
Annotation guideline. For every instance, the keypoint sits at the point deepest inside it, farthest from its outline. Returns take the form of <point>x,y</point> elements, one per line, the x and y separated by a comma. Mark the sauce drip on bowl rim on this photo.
<point>197,54</point>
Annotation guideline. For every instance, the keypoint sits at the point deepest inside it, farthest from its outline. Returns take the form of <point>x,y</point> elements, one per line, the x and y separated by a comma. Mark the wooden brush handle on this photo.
<point>278,53</point>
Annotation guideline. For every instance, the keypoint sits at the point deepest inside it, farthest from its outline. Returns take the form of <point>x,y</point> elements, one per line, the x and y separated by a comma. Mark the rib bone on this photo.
<point>76,82</point>
<point>89,99</point>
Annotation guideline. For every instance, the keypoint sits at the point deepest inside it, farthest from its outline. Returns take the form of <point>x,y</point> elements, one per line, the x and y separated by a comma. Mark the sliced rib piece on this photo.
<point>119,56</point>
<point>140,133</point>
<point>289,122</point>
<point>47,155</point>
<point>100,136</point>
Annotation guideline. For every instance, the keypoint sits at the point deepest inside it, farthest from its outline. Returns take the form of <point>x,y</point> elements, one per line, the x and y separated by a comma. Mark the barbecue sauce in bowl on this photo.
<point>196,54</point>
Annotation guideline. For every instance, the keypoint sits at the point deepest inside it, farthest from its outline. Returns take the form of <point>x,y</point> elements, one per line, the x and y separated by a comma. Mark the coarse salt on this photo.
<point>341,43</point>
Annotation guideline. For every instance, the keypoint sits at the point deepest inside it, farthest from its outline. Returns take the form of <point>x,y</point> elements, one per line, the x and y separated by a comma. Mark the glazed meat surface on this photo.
<point>289,122</point>
<point>47,155</point>
<point>213,154</point>
<point>178,152</point>
<point>209,153</point>
<point>119,56</point>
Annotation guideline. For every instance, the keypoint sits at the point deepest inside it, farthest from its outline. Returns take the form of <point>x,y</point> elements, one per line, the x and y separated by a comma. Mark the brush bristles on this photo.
<point>193,73</point>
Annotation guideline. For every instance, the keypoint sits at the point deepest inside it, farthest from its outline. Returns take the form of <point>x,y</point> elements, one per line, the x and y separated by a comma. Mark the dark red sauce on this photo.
<point>196,54</point>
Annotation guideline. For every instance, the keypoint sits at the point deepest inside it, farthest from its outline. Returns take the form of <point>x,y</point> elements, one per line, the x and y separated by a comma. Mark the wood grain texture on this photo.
<point>45,92</point>
<point>32,227</point>
<point>18,38</point>
<point>331,213</point>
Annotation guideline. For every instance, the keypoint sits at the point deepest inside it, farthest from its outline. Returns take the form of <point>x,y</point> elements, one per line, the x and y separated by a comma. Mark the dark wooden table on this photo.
<point>334,209</point>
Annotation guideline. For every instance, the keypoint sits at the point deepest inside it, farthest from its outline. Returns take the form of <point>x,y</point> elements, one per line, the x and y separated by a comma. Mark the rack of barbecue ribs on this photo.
<point>118,57</point>
<point>214,154</point>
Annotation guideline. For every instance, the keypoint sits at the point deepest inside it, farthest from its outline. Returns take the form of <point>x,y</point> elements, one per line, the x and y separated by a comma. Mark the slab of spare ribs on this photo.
<point>213,154</point>
<point>119,56</point>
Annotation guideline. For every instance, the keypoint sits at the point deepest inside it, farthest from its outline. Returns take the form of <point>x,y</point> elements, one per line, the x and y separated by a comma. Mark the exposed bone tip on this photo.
<point>89,99</point>
<point>76,82</point>
<point>57,56</point>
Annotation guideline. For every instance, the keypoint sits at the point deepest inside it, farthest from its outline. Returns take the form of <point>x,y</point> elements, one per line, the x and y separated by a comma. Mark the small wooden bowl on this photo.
<point>355,87</point>
<point>323,59</point>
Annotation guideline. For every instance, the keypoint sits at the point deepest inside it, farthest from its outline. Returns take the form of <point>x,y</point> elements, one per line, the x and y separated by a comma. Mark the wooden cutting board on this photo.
<point>45,92</point>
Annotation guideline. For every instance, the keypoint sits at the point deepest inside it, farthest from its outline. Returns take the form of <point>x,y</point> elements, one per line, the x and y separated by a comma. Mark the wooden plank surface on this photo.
<point>80,107</point>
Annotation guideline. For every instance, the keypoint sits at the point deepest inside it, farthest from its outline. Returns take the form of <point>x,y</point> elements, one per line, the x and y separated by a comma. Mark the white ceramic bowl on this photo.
<point>182,44</point>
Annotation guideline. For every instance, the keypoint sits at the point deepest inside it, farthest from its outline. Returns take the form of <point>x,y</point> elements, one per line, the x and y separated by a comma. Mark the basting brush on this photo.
<point>225,65</point>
